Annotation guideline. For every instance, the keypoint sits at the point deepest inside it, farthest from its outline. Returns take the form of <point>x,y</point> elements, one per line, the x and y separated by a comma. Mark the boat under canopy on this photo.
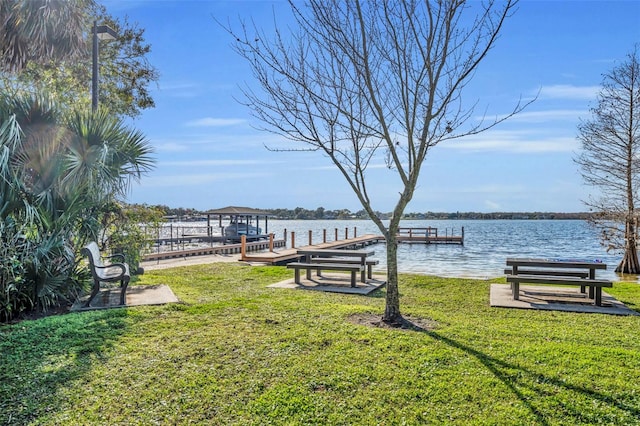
<point>242,221</point>
<point>236,229</point>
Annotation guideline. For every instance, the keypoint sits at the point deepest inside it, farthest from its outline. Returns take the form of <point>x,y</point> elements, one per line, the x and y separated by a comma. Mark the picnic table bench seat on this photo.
<point>109,272</point>
<point>595,286</point>
<point>350,267</point>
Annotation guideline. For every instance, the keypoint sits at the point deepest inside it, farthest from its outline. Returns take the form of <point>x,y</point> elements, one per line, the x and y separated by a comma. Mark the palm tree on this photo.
<point>41,30</point>
<point>105,155</point>
<point>58,173</point>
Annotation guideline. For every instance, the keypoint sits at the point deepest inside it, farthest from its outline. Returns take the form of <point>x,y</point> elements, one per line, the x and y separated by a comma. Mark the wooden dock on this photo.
<point>285,255</point>
<point>275,252</point>
<point>205,251</point>
<point>429,236</point>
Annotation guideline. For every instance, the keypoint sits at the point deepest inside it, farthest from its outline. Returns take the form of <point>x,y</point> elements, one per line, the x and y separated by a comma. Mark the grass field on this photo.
<point>237,352</point>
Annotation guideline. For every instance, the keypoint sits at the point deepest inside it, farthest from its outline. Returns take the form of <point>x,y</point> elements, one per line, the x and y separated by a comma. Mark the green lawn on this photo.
<point>237,352</point>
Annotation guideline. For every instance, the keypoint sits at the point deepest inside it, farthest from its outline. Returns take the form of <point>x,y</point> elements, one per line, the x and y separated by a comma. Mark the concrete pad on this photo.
<point>334,282</point>
<point>137,295</point>
<point>555,299</point>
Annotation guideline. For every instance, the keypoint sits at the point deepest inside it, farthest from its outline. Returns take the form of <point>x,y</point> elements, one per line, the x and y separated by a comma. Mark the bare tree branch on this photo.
<point>610,160</point>
<point>374,81</point>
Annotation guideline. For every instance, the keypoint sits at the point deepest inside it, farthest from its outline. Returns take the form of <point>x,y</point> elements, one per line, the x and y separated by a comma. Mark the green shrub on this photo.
<point>125,233</point>
<point>14,289</point>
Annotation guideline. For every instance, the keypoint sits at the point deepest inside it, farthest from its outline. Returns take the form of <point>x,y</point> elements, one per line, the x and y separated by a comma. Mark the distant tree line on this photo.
<point>321,213</point>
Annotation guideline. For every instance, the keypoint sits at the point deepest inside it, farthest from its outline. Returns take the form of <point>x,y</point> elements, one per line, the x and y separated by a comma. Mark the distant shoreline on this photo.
<point>282,214</point>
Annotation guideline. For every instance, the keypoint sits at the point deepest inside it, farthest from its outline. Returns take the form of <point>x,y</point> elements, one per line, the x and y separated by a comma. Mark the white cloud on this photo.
<point>178,89</point>
<point>215,122</point>
<point>215,140</point>
<point>519,146</point>
<point>514,142</point>
<point>491,205</point>
<point>170,147</point>
<point>328,165</point>
<point>215,163</point>
<point>488,188</point>
<point>546,116</point>
<point>192,180</point>
<point>565,91</point>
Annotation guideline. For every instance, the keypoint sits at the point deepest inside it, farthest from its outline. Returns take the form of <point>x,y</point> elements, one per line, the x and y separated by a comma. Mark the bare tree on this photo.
<point>610,160</point>
<point>366,81</point>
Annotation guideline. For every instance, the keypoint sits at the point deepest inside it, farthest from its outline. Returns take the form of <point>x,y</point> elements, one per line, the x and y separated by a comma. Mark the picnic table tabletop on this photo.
<point>557,262</point>
<point>335,252</point>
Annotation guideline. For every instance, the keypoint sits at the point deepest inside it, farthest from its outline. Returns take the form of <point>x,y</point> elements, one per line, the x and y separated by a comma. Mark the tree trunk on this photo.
<point>392,309</point>
<point>629,263</point>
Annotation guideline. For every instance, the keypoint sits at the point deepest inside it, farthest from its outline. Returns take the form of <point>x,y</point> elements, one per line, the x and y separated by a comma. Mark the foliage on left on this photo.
<point>59,172</point>
<point>47,44</point>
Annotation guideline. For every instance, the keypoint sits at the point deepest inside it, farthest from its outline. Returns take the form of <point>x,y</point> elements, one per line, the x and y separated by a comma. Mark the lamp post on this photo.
<point>102,32</point>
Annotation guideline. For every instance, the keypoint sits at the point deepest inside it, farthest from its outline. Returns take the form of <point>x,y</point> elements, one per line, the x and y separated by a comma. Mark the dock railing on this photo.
<point>197,239</point>
<point>293,241</point>
<point>430,235</point>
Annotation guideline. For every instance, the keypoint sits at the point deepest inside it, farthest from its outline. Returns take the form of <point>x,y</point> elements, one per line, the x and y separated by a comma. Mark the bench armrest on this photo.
<point>108,270</point>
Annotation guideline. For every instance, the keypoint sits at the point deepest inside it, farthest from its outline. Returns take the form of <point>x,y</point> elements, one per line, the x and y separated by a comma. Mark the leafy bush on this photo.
<point>14,291</point>
<point>125,234</point>
<point>58,172</point>
<point>36,273</point>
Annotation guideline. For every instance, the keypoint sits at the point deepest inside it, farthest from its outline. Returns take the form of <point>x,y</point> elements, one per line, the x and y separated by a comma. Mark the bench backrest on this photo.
<point>92,251</point>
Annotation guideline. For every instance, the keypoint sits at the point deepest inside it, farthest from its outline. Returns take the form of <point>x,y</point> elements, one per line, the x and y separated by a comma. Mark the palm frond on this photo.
<point>42,30</point>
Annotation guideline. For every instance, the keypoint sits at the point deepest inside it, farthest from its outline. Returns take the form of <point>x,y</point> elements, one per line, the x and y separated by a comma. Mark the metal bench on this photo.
<point>101,272</point>
<point>350,267</point>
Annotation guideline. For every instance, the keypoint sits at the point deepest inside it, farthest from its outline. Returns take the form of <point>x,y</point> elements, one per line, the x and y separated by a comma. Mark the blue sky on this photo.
<point>209,154</point>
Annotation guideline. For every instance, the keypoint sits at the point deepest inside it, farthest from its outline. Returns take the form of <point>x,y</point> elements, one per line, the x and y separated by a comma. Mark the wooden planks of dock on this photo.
<point>277,253</point>
<point>205,251</point>
<point>285,255</point>
<point>429,236</point>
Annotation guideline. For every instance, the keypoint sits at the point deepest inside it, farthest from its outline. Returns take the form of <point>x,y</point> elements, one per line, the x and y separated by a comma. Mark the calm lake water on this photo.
<point>487,244</point>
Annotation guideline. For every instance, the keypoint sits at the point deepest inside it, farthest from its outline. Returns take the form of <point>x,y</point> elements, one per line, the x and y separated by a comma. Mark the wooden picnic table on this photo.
<point>580,272</point>
<point>311,253</point>
<point>591,265</point>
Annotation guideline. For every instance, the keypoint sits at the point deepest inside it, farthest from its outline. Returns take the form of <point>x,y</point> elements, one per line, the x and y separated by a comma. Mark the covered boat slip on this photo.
<point>241,221</point>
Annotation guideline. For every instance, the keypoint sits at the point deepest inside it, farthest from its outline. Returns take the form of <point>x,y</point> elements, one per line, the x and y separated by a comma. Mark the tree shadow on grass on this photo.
<point>516,378</point>
<point>40,357</point>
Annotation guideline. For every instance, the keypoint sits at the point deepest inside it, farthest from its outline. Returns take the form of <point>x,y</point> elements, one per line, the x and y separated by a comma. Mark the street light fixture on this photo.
<point>102,32</point>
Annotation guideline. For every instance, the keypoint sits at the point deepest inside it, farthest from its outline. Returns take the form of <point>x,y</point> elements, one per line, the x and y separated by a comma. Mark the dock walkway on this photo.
<point>429,236</point>
<point>277,253</point>
<point>205,251</point>
<point>282,256</point>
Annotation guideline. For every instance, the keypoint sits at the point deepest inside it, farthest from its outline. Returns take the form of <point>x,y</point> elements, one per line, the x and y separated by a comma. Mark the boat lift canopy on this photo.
<point>234,213</point>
